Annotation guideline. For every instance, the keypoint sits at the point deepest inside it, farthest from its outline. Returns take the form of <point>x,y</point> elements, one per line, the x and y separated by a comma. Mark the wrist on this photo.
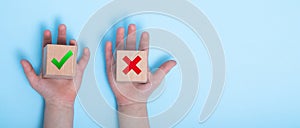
<point>58,114</point>
<point>134,109</point>
<point>59,104</point>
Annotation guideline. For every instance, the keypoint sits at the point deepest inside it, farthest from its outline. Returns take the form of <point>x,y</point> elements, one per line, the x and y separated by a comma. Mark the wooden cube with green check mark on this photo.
<point>59,61</point>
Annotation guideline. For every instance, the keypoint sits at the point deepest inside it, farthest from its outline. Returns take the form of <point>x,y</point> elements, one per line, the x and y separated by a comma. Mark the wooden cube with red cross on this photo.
<point>132,66</point>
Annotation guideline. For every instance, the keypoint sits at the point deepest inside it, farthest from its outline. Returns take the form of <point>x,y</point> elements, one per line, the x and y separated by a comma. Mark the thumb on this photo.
<point>30,74</point>
<point>159,75</point>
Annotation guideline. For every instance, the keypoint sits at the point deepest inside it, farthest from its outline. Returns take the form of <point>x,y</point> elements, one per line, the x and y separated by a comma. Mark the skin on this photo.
<point>132,97</point>
<point>59,94</point>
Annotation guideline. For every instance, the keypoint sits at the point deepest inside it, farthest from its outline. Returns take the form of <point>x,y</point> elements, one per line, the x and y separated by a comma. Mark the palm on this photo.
<point>57,89</point>
<point>64,90</point>
<point>128,93</point>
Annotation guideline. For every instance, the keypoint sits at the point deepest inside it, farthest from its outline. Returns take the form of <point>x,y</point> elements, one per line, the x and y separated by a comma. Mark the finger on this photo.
<point>144,42</point>
<point>47,38</point>
<point>84,59</point>
<point>131,37</point>
<point>120,39</point>
<point>30,74</point>
<point>62,37</point>
<point>159,75</point>
<point>73,42</point>
<point>109,63</point>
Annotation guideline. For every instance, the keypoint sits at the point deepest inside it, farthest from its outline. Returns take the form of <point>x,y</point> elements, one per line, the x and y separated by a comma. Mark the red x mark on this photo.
<point>132,65</point>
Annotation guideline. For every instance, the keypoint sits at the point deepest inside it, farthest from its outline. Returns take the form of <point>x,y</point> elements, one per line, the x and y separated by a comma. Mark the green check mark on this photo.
<point>63,60</point>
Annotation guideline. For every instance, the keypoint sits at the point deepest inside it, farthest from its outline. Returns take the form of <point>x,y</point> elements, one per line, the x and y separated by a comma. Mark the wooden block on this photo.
<point>132,66</point>
<point>59,61</point>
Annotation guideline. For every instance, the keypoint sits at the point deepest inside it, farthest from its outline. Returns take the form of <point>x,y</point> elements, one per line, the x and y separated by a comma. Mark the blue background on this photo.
<point>260,39</point>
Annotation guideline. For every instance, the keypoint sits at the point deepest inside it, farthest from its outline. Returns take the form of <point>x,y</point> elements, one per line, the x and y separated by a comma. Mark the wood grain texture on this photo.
<point>68,70</point>
<point>132,76</point>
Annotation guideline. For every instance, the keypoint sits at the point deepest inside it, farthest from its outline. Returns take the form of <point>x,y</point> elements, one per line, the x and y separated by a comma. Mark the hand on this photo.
<point>57,91</point>
<point>133,93</point>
